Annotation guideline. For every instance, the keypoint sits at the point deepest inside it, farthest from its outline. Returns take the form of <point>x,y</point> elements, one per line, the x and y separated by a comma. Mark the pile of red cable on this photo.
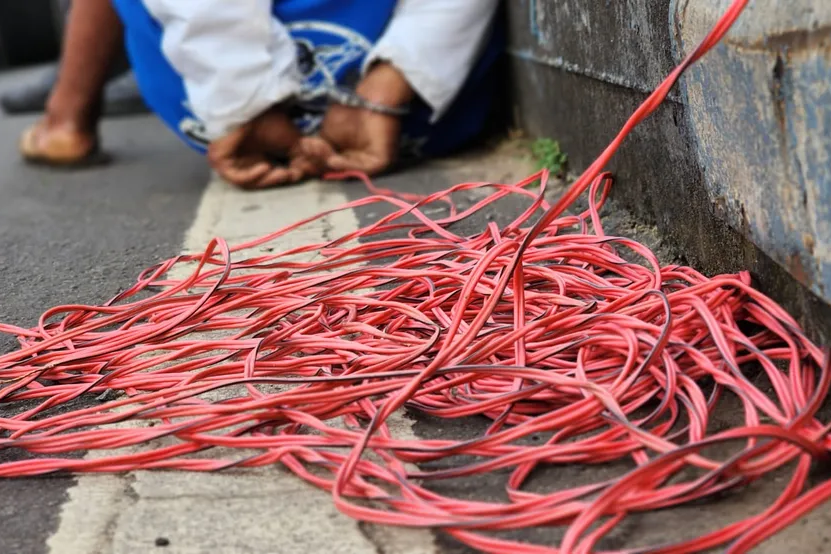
<point>541,327</point>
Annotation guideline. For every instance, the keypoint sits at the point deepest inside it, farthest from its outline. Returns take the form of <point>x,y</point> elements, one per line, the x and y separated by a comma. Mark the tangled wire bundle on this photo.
<point>541,326</point>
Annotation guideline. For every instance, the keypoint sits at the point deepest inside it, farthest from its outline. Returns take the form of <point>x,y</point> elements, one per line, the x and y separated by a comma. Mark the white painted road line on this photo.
<point>266,511</point>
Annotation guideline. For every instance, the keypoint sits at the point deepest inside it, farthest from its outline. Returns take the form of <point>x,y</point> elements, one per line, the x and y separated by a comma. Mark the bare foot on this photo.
<point>59,144</point>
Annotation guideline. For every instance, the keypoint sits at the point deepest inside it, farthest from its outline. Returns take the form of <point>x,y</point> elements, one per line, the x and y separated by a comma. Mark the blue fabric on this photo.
<point>333,38</point>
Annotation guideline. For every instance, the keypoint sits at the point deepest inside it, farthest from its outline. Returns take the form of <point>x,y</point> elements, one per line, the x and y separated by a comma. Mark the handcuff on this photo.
<point>349,98</point>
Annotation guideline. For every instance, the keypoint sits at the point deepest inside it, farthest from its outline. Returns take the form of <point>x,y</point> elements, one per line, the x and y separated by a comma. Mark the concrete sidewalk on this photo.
<point>258,511</point>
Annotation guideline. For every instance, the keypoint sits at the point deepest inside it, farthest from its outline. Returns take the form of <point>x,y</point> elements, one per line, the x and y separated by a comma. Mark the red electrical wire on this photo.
<point>541,326</point>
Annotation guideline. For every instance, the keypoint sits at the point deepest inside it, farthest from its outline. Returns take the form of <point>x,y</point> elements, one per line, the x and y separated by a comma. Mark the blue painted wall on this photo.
<point>737,165</point>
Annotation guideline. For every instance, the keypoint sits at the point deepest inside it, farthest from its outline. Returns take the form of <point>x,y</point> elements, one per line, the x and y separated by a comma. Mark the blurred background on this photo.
<point>30,31</point>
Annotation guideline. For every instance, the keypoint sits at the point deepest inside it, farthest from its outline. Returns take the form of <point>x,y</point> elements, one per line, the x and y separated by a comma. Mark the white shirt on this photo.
<point>237,60</point>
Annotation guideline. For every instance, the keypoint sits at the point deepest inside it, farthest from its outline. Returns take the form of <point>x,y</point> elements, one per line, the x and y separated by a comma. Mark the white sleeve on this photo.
<point>435,44</point>
<point>235,57</point>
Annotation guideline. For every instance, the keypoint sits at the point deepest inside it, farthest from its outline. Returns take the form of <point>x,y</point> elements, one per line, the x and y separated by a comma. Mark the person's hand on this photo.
<point>360,139</point>
<point>246,157</point>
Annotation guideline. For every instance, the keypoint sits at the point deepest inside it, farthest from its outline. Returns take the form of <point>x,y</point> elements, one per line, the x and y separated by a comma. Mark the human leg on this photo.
<point>68,132</point>
<point>121,95</point>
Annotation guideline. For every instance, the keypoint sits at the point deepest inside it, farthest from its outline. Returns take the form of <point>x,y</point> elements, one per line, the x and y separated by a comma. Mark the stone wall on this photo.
<point>735,168</point>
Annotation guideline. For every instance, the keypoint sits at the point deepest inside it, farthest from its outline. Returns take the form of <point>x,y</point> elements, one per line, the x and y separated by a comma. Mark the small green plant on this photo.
<point>548,155</point>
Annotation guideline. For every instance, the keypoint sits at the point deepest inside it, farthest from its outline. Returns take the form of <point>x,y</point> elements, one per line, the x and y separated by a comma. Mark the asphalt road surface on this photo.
<point>79,236</point>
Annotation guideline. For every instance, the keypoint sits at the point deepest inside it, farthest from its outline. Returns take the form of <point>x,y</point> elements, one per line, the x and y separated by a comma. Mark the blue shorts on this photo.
<point>333,38</point>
